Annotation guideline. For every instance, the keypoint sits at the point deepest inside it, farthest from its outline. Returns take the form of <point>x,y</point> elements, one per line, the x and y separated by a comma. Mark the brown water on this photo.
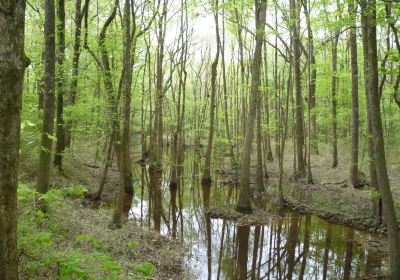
<point>288,246</point>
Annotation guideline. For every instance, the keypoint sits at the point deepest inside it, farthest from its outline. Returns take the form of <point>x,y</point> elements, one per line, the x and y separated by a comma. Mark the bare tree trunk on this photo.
<point>244,203</point>
<point>125,193</point>
<point>334,42</point>
<point>206,178</point>
<point>49,87</point>
<point>12,67</point>
<point>226,117</point>
<point>60,83</point>
<point>313,79</point>
<point>354,90</point>
<point>156,139</point>
<point>379,146</point>
<point>79,13</point>
<point>259,168</point>
<point>377,207</point>
<point>295,22</point>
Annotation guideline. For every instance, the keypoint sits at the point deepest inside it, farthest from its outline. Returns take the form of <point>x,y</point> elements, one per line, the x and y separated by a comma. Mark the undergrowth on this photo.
<point>50,249</point>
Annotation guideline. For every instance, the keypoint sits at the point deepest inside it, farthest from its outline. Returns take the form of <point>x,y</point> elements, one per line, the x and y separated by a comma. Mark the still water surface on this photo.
<point>288,246</point>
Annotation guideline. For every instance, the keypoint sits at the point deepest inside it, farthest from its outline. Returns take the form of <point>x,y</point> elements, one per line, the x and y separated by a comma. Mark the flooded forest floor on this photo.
<point>330,197</point>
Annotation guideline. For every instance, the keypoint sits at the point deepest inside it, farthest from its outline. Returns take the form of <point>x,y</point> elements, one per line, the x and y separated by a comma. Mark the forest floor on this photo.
<point>84,239</point>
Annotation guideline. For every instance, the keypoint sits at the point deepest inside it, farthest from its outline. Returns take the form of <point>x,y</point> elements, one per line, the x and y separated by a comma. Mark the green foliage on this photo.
<point>221,144</point>
<point>40,235</point>
<point>146,269</point>
<point>74,191</point>
<point>373,193</point>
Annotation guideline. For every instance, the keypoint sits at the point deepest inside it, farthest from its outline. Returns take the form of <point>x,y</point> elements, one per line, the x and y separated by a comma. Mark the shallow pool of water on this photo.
<point>288,246</point>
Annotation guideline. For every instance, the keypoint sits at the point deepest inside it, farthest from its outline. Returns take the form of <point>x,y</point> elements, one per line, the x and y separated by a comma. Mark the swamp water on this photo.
<point>281,246</point>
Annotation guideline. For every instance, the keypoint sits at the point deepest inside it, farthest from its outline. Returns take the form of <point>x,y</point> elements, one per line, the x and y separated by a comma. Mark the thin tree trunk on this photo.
<point>334,43</point>
<point>354,98</point>
<point>294,14</point>
<point>49,87</point>
<point>206,178</point>
<point>76,53</point>
<point>244,203</point>
<point>313,79</point>
<point>60,83</point>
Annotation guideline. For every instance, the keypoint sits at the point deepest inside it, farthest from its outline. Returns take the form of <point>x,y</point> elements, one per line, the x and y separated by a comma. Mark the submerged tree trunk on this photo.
<point>244,203</point>
<point>49,87</point>
<point>156,138</point>
<point>12,67</point>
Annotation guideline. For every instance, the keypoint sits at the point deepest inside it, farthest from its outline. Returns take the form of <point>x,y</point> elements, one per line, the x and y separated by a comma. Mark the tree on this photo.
<point>206,178</point>
<point>60,83</point>
<point>295,33</point>
<point>49,88</point>
<point>79,14</point>
<point>13,62</point>
<point>244,204</point>
<point>125,177</point>
<point>354,97</point>
<point>369,10</point>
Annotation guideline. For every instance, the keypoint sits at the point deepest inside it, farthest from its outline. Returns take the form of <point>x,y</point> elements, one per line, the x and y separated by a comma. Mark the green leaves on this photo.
<point>74,191</point>
<point>147,269</point>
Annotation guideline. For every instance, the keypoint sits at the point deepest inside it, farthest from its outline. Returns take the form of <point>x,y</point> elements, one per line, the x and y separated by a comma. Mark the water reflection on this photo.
<point>291,246</point>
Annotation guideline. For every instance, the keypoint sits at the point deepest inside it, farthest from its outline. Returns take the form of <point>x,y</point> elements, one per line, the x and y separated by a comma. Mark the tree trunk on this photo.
<point>12,67</point>
<point>259,168</point>
<point>313,79</point>
<point>354,98</point>
<point>49,86</point>
<point>244,203</point>
<point>301,170</point>
<point>156,139</point>
<point>334,43</point>
<point>76,53</point>
<point>206,178</point>
<point>379,146</point>
<point>376,202</point>
<point>125,193</point>
<point>60,83</point>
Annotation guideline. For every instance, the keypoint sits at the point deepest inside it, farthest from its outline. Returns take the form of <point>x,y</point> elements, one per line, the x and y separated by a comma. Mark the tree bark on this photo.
<point>377,207</point>
<point>244,203</point>
<point>125,193</point>
<point>313,79</point>
<point>354,97</point>
<point>295,22</point>
<point>206,178</point>
<point>379,145</point>
<point>60,83</point>
<point>12,67</point>
<point>76,53</point>
<point>334,43</point>
<point>49,87</point>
